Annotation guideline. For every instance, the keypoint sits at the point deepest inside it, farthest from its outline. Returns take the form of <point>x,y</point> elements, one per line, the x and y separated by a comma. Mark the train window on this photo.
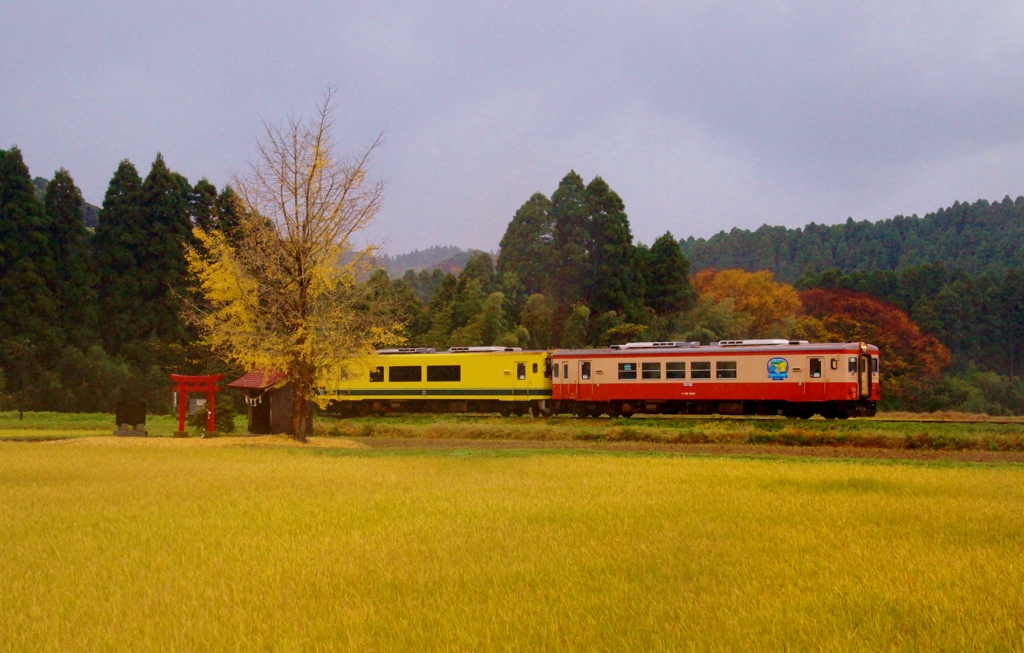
<point>835,363</point>
<point>521,371</point>
<point>565,371</point>
<point>377,375</point>
<point>585,370</point>
<point>851,365</point>
<point>555,370</point>
<point>627,371</point>
<point>547,368</point>
<point>727,369</point>
<point>650,370</point>
<point>405,374</point>
<point>444,373</point>
<point>700,370</point>
<point>874,365</point>
<point>675,370</point>
<point>534,368</point>
<point>815,368</point>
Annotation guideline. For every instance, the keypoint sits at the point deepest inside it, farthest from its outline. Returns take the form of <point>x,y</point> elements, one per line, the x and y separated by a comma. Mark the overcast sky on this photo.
<point>703,116</point>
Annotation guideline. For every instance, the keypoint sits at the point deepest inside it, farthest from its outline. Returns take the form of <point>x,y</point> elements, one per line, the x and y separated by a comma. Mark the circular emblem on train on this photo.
<point>778,369</point>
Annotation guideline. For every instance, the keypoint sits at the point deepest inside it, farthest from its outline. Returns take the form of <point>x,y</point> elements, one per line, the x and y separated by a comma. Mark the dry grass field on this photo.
<point>207,545</point>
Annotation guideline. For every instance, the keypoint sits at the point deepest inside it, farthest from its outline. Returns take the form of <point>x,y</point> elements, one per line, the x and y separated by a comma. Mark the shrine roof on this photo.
<point>257,380</point>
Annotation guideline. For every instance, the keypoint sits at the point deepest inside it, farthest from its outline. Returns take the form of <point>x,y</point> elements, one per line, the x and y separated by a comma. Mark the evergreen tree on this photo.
<point>203,205</point>
<point>29,308</point>
<point>228,212</point>
<point>613,270</point>
<point>118,241</point>
<point>439,314</point>
<point>574,333</point>
<point>666,277</point>
<point>75,294</point>
<point>571,238</point>
<point>162,268</point>
<point>526,247</point>
<point>538,318</point>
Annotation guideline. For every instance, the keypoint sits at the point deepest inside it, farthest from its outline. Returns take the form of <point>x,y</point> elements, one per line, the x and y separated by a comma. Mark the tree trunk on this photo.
<point>298,431</point>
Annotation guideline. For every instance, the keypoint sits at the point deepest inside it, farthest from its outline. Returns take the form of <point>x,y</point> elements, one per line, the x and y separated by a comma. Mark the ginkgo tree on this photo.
<point>282,294</point>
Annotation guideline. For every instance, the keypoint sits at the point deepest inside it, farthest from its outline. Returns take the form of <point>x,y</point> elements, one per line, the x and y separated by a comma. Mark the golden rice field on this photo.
<point>196,548</point>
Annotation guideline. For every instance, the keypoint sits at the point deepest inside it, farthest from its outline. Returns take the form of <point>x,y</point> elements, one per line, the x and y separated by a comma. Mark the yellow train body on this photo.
<point>507,381</point>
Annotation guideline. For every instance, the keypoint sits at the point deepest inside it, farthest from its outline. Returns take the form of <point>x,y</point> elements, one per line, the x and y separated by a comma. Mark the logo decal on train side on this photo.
<point>778,369</point>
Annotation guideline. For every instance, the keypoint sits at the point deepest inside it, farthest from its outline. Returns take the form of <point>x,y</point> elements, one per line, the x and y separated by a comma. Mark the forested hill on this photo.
<point>448,259</point>
<point>977,238</point>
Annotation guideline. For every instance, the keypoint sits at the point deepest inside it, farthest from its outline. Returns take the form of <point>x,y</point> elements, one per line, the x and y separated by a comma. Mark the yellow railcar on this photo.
<point>462,379</point>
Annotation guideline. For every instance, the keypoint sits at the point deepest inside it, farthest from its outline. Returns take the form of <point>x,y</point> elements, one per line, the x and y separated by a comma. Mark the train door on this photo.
<point>585,381</point>
<point>864,376</point>
<point>521,383</point>
<point>814,385</point>
<point>568,383</point>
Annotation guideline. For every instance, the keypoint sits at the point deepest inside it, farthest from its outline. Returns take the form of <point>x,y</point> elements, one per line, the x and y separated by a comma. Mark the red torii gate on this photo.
<point>207,384</point>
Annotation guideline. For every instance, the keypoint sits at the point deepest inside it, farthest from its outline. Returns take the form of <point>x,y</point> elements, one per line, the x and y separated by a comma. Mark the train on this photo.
<point>794,378</point>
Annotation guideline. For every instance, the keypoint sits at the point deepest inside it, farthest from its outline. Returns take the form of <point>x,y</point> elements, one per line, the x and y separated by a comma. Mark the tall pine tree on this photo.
<point>613,268</point>
<point>526,247</point>
<point>571,240</point>
<point>203,205</point>
<point>75,277</point>
<point>666,277</point>
<point>161,262</point>
<point>29,307</point>
<point>119,240</point>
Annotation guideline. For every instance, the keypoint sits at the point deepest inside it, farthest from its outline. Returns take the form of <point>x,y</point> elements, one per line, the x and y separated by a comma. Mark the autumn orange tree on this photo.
<point>910,359</point>
<point>762,307</point>
<point>282,293</point>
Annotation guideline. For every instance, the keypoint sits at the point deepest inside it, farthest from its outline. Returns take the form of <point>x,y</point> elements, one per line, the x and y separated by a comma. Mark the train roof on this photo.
<point>717,348</point>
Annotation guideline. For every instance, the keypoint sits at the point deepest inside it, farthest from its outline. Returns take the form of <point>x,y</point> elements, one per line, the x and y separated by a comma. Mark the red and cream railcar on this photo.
<point>751,377</point>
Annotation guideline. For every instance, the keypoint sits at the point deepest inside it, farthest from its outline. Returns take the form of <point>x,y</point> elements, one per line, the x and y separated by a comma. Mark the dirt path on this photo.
<point>697,449</point>
<point>452,444</point>
<point>224,441</point>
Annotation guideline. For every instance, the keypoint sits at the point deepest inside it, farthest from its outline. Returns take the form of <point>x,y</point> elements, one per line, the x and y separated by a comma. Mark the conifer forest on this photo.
<point>90,316</point>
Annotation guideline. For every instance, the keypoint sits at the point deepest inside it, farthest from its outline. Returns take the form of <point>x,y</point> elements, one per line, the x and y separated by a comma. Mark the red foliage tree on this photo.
<point>910,359</point>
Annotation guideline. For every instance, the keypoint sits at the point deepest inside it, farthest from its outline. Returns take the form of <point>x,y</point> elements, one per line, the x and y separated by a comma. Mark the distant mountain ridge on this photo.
<point>978,238</point>
<point>447,258</point>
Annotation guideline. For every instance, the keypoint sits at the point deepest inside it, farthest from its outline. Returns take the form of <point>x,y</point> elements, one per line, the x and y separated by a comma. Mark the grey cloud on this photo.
<point>702,115</point>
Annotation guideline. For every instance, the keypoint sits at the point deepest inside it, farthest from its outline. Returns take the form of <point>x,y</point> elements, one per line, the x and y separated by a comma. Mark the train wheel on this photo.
<point>505,411</point>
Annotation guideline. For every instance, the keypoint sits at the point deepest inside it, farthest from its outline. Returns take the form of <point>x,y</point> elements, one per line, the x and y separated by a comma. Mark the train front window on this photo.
<point>675,370</point>
<point>650,370</point>
<point>700,370</point>
<point>554,370</point>
<point>547,368</point>
<point>874,365</point>
<point>851,365</point>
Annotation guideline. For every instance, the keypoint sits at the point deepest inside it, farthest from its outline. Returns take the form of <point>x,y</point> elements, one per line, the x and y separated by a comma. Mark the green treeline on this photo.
<point>89,318</point>
<point>977,238</point>
<point>92,316</point>
<point>568,275</point>
<point>980,319</point>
